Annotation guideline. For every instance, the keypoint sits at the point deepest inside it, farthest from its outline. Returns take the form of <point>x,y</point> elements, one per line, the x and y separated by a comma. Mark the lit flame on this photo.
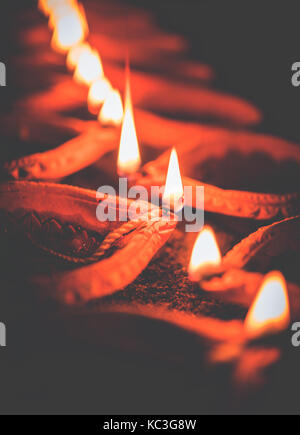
<point>129,158</point>
<point>75,53</point>
<point>98,93</point>
<point>206,255</point>
<point>43,6</point>
<point>173,192</point>
<point>89,67</point>
<point>60,11</point>
<point>48,6</point>
<point>70,28</point>
<point>270,311</point>
<point>111,112</point>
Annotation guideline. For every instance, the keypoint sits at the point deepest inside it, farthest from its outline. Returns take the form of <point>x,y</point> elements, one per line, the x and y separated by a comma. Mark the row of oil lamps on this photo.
<point>68,21</point>
<point>270,311</point>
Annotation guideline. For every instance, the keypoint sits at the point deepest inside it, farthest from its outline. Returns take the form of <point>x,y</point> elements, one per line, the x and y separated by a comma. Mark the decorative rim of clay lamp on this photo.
<point>217,142</point>
<point>117,251</point>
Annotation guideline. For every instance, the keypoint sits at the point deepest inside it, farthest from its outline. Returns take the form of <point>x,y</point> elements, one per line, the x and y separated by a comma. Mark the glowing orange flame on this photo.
<point>89,67</point>
<point>129,158</point>
<point>60,11</point>
<point>43,6</point>
<point>48,6</point>
<point>206,255</point>
<point>112,109</point>
<point>173,192</point>
<point>70,28</point>
<point>270,311</point>
<point>98,93</point>
<point>75,53</point>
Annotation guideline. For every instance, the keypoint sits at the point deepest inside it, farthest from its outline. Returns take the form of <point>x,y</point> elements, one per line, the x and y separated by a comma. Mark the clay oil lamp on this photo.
<point>230,278</point>
<point>153,92</point>
<point>66,96</point>
<point>269,313</point>
<point>87,142</point>
<point>246,344</point>
<point>244,348</point>
<point>244,175</point>
<point>68,21</point>
<point>86,145</point>
<point>93,258</point>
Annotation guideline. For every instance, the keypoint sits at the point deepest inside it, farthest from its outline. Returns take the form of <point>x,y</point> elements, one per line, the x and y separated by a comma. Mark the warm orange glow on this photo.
<point>46,6</point>
<point>173,192</point>
<point>98,92</point>
<point>129,158</point>
<point>112,109</point>
<point>75,53</point>
<point>60,11</point>
<point>270,311</point>
<point>89,67</point>
<point>43,7</point>
<point>49,6</point>
<point>70,28</point>
<point>206,255</point>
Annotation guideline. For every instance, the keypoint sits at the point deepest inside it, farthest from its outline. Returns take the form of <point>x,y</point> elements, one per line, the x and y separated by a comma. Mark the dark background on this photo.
<point>250,44</point>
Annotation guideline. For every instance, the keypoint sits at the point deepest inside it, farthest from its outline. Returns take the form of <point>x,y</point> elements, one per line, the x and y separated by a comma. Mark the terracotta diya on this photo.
<point>92,258</point>
<point>244,174</point>
<point>232,278</point>
<point>55,105</point>
<point>87,143</point>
